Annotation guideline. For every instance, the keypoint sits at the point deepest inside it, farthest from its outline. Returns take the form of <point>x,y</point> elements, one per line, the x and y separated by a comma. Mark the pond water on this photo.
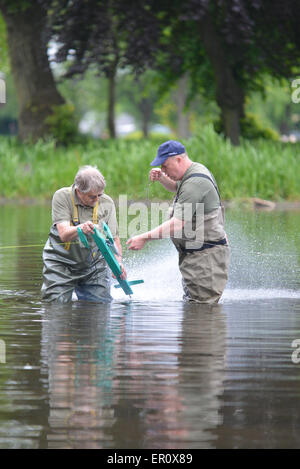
<point>152,371</point>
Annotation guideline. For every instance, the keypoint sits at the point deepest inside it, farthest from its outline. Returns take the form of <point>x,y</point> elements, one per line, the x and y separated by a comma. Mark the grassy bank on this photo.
<point>268,170</point>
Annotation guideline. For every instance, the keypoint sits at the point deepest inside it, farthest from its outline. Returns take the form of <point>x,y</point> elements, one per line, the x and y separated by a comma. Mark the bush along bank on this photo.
<point>264,169</point>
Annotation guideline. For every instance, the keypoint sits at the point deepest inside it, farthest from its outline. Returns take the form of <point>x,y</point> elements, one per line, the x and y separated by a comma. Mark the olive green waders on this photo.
<point>204,270</point>
<point>77,269</point>
<point>70,267</point>
<point>204,274</point>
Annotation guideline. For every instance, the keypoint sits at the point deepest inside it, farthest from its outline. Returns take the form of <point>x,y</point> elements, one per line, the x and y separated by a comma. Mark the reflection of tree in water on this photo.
<point>22,234</point>
<point>261,393</point>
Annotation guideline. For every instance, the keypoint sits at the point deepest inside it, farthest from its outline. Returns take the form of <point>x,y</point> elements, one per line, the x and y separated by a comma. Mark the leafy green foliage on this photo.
<point>258,168</point>
<point>257,37</point>
<point>251,128</point>
<point>62,124</point>
<point>4,59</point>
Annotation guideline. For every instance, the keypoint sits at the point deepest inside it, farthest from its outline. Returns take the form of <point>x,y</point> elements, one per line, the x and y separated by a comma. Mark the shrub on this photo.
<point>62,124</point>
<point>251,128</point>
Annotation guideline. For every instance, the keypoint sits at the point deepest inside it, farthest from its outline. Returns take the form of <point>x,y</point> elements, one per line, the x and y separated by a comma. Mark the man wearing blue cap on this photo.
<point>203,265</point>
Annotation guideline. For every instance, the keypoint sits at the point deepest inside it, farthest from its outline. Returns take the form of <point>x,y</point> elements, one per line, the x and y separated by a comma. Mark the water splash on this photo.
<point>159,269</point>
<point>244,294</point>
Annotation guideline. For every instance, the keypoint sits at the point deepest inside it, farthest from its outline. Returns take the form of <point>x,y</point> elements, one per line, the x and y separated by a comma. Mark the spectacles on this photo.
<point>93,197</point>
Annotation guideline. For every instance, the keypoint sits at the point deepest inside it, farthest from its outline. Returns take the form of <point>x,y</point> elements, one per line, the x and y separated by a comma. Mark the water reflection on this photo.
<point>153,372</point>
<point>202,372</point>
<point>262,389</point>
<point>121,378</point>
<point>78,349</point>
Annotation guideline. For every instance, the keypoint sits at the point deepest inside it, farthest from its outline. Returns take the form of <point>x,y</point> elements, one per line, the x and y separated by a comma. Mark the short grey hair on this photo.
<point>89,178</point>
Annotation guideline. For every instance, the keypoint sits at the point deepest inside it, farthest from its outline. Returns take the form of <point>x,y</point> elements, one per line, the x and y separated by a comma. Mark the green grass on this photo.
<point>265,169</point>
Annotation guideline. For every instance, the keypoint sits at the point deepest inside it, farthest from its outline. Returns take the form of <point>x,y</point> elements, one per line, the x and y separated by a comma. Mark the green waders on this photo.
<point>70,267</point>
<point>205,270</point>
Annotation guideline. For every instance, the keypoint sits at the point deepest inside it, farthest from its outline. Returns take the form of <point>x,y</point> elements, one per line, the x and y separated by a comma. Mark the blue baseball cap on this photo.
<point>167,149</point>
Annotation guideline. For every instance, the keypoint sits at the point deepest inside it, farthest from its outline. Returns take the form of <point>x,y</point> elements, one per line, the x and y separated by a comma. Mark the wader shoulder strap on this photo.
<point>203,176</point>
<point>95,214</point>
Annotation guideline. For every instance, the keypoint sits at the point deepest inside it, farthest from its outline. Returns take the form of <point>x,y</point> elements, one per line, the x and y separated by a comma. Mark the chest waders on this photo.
<point>70,267</point>
<point>207,244</point>
<point>204,270</point>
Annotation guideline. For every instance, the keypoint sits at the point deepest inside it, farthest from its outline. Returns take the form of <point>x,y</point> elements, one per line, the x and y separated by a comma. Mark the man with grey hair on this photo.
<point>68,266</point>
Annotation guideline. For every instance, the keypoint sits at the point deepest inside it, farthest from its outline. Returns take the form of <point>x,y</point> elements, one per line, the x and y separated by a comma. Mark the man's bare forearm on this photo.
<point>168,183</point>
<point>68,232</point>
<point>165,230</point>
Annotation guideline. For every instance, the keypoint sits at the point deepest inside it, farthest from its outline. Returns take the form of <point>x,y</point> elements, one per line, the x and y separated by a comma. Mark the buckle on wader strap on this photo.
<point>208,245</point>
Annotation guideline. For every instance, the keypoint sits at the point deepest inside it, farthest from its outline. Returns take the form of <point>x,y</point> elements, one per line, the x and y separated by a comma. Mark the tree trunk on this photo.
<point>111,103</point>
<point>34,83</point>
<point>145,106</point>
<point>231,124</point>
<point>229,95</point>
<point>183,118</point>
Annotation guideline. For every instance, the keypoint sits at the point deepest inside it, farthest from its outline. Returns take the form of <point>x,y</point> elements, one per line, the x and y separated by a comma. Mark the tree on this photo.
<point>137,94</point>
<point>244,41</point>
<point>232,43</point>
<point>105,33</point>
<point>27,38</point>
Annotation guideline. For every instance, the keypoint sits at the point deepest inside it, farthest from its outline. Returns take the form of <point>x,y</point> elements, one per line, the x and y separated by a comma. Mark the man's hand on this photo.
<point>123,275</point>
<point>87,227</point>
<point>155,174</point>
<point>136,242</point>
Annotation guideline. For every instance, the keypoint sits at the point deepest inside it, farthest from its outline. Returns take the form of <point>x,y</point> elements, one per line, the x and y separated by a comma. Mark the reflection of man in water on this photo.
<point>204,268</point>
<point>78,353</point>
<point>68,265</point>
<point>201,372</point>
